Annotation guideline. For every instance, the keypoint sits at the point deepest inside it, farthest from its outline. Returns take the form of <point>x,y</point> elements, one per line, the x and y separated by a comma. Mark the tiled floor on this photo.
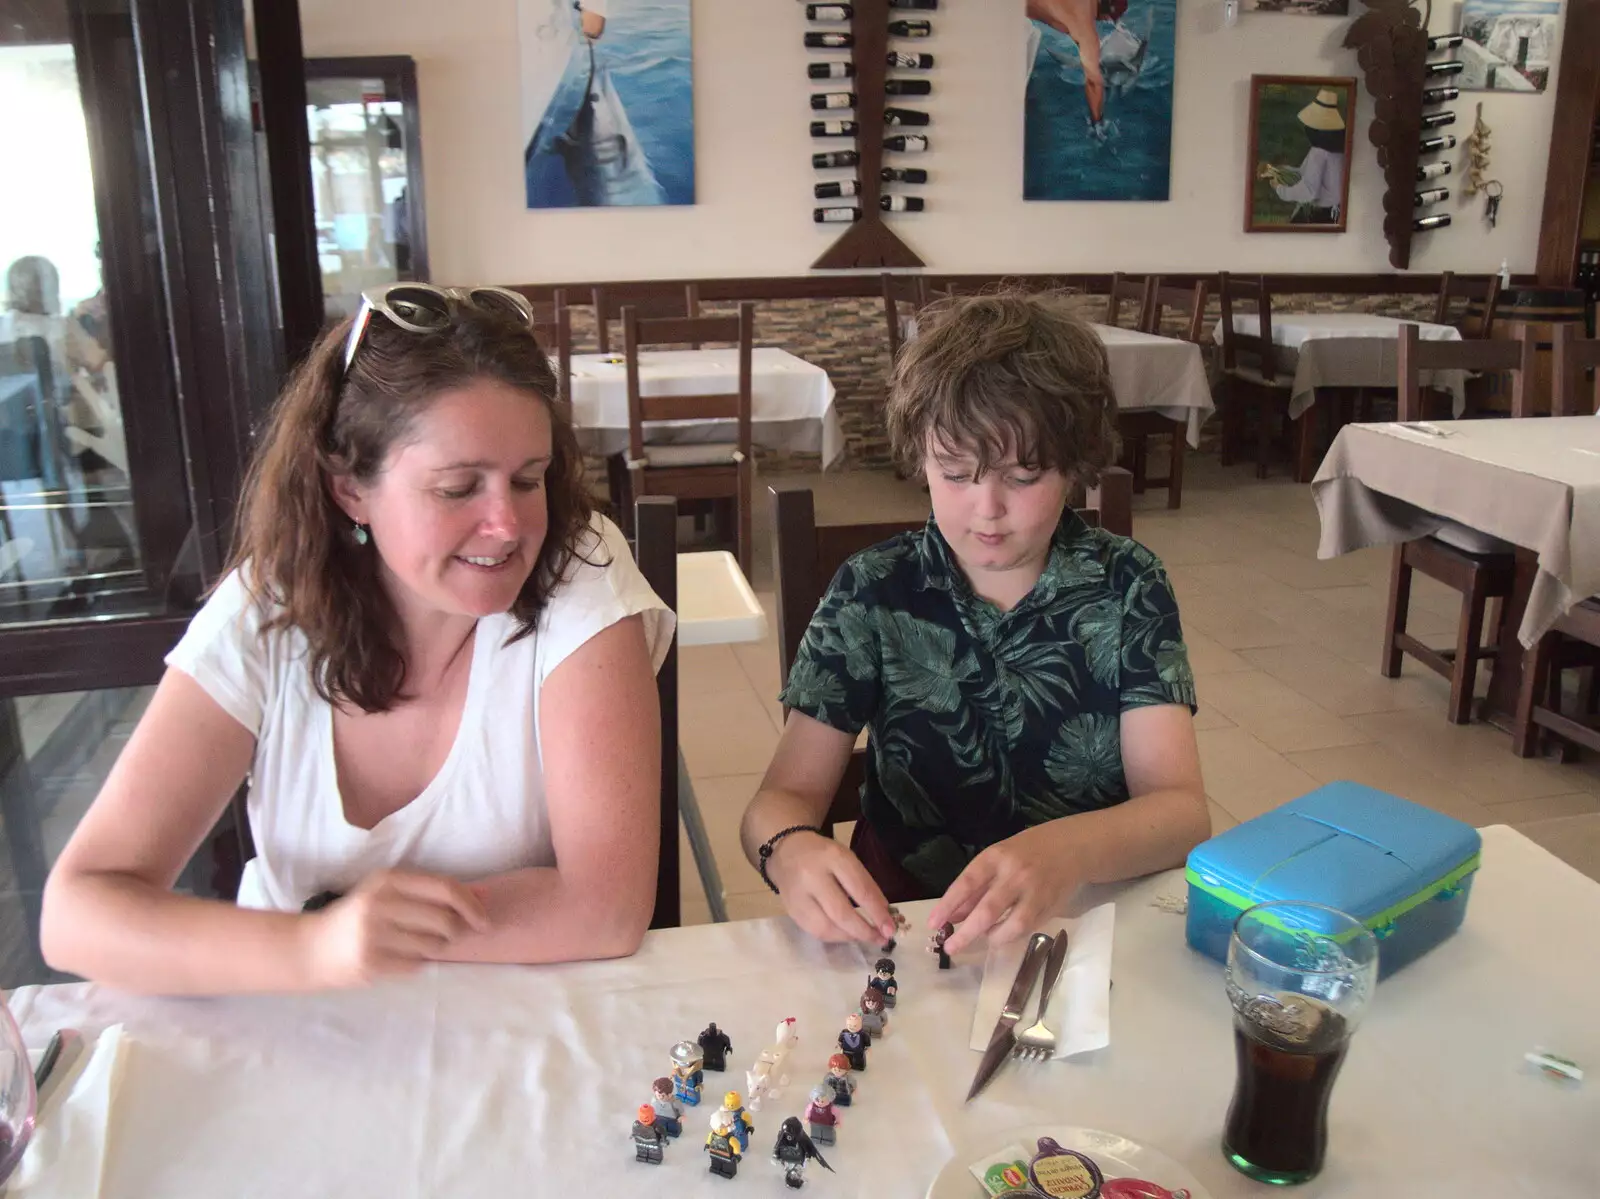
<point>1284,648</point>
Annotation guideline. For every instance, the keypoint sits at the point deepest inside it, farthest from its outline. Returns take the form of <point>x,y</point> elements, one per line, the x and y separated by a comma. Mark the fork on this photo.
<point>1036,1043</point>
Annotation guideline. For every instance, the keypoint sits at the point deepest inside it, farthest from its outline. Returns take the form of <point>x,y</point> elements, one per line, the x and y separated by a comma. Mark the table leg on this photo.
<point>1499,707</point>
<point>700,845</point>
<point>1304,466</point>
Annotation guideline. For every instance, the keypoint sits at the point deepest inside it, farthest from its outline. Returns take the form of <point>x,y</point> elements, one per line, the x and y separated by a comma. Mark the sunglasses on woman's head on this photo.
<point>424,308</point>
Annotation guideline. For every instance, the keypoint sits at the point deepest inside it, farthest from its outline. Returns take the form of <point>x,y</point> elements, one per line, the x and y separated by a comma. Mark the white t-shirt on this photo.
<point>484,812</point>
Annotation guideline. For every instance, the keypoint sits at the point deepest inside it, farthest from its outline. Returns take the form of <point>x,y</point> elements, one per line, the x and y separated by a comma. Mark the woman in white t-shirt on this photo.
<point>432,662</point>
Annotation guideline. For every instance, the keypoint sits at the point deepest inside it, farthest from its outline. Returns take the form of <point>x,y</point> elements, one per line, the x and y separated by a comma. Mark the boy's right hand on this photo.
<point>391,923</point>
<point>827,891</point>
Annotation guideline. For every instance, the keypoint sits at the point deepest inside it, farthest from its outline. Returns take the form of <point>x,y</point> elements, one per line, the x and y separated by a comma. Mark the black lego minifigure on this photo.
<point>882,980</point>
<point>792,1150</point>
<point>854,1041</point>
<point>714,1044</point>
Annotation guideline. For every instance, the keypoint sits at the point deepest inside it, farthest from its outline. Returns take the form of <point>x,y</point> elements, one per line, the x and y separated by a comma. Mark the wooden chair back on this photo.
<point>1139,292</point>
<point>609,303</point>
<point>552,329</point>
<point>1258,346</point>
<point>806,556</point>
<point>655,549</point>
<point>1191,301</point>
<point>1481,354</point>
<point>1576,386</point>
<point>903,297</point>
<point>1479,296</point>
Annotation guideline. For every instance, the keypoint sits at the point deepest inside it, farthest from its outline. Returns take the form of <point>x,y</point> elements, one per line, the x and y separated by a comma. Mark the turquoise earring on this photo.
<point>361,535</point>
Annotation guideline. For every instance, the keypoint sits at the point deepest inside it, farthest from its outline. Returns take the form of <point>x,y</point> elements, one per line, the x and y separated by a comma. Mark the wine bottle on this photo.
<point>903,175</point>
<point>927,5</point>
<point>830,41</point>
<point>835,216</point>
<point>1445,41</point>
<point>841,187</point>
<point>910,143</point>
<point>1440,95</point>
<point>904,116</point>
<point>1437,221</point>
<point>830,12</point>
<point>834,128</point>
<point>901,203</point>
<point>1433,170</point>
<point>1432,145</point>
<point>908,87</point>
<point>833,100</point>
<point>835,158</point>
<point>910,28</point>
<point>831,70</point>
<point>1431,196</point>
<point>1448,67</point>
<point>909,62</point>
<point>1434,120</point>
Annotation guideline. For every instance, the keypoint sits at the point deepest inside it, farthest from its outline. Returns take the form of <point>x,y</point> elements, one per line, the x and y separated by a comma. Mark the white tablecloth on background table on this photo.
<point>499,1081</point>
<point>1533,482</point>
<point>1161,374</point>
<point>1346,349</point>
<point>791,400</point>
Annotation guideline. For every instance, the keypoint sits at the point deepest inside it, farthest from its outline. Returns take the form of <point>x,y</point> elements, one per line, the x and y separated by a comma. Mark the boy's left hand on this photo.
<point>1009,887</point>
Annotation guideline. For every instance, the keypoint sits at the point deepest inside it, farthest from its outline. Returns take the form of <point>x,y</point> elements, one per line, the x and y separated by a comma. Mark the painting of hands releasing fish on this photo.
<point>1099,99</point>
<point>608,102</point>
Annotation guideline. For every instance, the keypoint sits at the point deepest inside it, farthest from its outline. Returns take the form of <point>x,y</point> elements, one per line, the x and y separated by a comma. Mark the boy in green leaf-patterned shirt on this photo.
<point>1023,676</point>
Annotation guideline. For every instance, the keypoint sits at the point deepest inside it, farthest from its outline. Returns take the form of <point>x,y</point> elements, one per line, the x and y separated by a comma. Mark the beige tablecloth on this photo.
<point>1532,482</point>
<point>1160,374</point>
<point>791,399</point>
<point>1346,349</point>
<point>500,1081</point>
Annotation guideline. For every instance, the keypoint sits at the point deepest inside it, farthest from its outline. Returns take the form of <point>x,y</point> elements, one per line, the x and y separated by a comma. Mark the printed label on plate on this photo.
<point>1063,1173</point>
<point>1137,1188</point>
<point>1003,1172</point>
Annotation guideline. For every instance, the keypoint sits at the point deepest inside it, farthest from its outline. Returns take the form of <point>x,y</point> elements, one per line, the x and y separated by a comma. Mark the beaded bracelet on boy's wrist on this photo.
<point>764,854</point>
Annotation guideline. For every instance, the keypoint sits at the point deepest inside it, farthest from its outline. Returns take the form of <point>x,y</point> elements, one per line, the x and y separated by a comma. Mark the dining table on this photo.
<point>1164,375</point>
<point>791,400</point>
<point>472,1080</point>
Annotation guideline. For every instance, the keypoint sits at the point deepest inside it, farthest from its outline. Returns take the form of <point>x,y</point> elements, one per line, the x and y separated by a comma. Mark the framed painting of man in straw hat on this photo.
<point>1301,130</point>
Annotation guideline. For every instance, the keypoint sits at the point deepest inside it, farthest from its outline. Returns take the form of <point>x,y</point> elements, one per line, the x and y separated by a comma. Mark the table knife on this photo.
<point>1004,1035</point>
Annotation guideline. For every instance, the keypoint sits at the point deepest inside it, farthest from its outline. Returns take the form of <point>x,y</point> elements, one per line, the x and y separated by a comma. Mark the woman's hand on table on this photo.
<point>1006,890</point>
<point>827,891</point>
<point>393,922</point>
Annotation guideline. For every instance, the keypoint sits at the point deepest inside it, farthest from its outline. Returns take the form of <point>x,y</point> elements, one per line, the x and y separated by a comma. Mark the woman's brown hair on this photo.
<point>293,545</point>
<point>1009,372</point>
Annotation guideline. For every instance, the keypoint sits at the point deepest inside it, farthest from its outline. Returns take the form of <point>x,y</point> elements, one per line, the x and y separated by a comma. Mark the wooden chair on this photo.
<point>1459,558</point>
<point>608,305</point>
<point>1136,428</point>
<point>806,555</point>
<point>694,470</point>
<point>552,329</point>
<point>1480,296</point>
<point>1576,369</point>
<point>1140,292</point>
<point>655,548</point>
<point>903,297</point>
<point>1250,379</point>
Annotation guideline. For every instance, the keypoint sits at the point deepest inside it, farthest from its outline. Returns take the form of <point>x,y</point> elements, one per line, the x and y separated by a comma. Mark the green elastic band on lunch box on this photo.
<point>1388,916</point>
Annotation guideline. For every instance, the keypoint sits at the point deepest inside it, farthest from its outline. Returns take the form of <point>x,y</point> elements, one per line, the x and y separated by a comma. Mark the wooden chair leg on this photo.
<point>1535,678</point>
<point>1141,462</point>
<point>744,503</point>
<point>1175,470</point>
<point>1399,606</point>
<point>619,488</point>
<point>1228,449</point>
<point>1263,438</point>
<point>1469,635</point>
<point>1304,467</point>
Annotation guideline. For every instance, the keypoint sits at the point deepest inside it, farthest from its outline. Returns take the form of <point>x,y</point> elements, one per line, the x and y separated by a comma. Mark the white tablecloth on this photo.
<point>1346,349</point>
<point>1161,374</point>
<point>485,1081</point>
<point>791,400</point>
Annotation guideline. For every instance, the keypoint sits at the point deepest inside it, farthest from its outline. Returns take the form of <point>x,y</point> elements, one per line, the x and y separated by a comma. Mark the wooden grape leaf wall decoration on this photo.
<point>1391,44</point>
<point>859,84</point>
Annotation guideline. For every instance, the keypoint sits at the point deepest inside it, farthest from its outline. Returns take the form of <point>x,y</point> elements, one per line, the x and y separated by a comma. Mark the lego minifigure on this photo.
<point>936,944</point>
<point>766,1077</point>
<point>722,1145</point>
<point>743,1124</point>
<point>792,1150</point>
<point>882,980</point>
<point>873,1017</point>
<point>648,1137</point>
<point>686,1073</point>
<point>854,1041</point>
<point>901,924</point>
<point>838,1077</point>
<point>669,1112</point>
<point>821,1119</point>
<point>714,1047</point>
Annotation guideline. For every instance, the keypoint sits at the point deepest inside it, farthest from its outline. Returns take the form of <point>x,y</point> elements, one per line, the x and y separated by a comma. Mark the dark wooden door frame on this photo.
<point>1571,144</point>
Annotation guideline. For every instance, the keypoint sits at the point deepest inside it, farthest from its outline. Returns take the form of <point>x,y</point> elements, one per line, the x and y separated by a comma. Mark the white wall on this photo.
<point>754,168</point>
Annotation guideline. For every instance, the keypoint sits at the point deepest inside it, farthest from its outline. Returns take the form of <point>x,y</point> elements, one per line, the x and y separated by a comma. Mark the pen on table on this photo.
<point>47,1063</point>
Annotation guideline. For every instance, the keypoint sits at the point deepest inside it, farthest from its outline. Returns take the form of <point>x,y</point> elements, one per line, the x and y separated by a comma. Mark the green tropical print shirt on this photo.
<point>983,722</point>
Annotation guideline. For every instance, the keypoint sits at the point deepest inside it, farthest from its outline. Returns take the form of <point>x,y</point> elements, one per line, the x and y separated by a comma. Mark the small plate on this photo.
<point>1117,1157</point>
